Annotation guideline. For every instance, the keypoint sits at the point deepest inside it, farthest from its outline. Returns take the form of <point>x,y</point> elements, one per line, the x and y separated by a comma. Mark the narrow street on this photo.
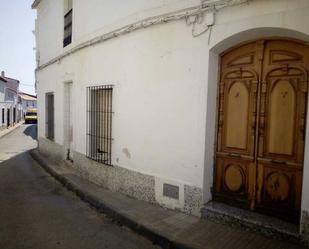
<point>38,212</point>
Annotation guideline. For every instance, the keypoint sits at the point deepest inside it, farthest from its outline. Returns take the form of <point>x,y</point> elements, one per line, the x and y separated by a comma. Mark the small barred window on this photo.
<point>68,22</point>
<point>99,123</point>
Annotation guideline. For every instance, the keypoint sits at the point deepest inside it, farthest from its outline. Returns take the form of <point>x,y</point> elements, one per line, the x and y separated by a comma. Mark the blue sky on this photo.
<point>17,42</point>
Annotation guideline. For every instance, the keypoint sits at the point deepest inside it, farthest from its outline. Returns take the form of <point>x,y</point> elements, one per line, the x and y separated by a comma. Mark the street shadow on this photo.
<point>31,131</point>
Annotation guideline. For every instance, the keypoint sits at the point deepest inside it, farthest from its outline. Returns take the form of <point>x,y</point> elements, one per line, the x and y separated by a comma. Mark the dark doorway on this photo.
<point>14,115</point>
<point>50,116</point>
<point>2,116</point>
<point>8,121</point>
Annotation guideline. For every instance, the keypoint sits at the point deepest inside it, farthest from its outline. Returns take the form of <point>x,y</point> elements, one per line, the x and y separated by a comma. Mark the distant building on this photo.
<point>27,101</point>
<point>2,103</point>
<point>9,102</point>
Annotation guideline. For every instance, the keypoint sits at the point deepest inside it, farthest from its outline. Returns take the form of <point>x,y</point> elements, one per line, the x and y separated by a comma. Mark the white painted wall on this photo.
<point>49,29</point>
<point>105,15</point>
<point>164,79</point>
<point>101,16</point>
<point>141,95</point>
<point>28,104</point>
<point>9,101</point>
<point>2,87</point>
<point>2,104</point>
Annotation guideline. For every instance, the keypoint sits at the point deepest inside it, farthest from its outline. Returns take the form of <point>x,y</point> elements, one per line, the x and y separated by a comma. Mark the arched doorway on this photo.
<point>262,104</point>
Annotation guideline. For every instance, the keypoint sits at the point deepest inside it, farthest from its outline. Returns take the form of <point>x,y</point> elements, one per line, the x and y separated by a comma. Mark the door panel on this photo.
<point>237,109</point>
<point>283,130</point>
<point>261,126</point>
<point>281,117</point>
<point>283,124</point>
<point>234,177</point>
<point>236,127</point>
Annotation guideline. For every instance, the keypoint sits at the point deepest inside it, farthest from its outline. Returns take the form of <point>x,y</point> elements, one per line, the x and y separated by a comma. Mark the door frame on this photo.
<point>216,106</point>
<point>68,123</point>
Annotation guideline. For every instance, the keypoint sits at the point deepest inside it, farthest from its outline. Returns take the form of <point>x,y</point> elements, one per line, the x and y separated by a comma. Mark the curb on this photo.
<point>13,128</point>
<point>123,219</point>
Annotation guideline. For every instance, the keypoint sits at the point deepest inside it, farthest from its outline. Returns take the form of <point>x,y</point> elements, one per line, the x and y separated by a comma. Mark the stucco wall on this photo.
<point>49,29</point>
<point>162,129</point>
<point>102,16</point>
<point>28,104</point>
<point>105,15</point>
<point>164,81</point>
<point>2,87</point>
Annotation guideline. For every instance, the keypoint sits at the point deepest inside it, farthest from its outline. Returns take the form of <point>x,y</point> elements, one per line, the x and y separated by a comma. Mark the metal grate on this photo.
<point>99,123</point>
<point>67,39</point>
<point>171,191</point>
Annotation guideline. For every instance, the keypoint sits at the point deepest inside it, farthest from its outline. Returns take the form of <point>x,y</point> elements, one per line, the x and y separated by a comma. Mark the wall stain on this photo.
<point>126,152</point>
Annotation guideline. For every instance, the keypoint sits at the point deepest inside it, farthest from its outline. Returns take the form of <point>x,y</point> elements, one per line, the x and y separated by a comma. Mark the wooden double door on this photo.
<point>262,104</point>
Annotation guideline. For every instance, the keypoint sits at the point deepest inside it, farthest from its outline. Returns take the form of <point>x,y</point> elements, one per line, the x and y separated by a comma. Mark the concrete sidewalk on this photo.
<point>169,229</point>
<point>6,131</point>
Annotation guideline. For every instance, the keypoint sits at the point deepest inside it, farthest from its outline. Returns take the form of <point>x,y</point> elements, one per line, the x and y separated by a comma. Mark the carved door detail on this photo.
<point>261,126</point>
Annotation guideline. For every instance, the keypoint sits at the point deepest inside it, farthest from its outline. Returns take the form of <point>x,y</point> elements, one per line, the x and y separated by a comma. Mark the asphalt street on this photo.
<point>37,212</point>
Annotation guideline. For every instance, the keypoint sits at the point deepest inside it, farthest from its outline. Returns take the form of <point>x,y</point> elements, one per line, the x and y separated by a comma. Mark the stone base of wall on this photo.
<point>131,183</point>
<point>52,150</point>
<point>193,200</point>
<point>128,182</point>
<point>305,227</point>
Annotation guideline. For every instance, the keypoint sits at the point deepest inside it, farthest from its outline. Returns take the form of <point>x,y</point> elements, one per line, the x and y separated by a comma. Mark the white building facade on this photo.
<point>2,104</point>
<point>28,101</point>
<point>184,90</point>
<point>10,108</point>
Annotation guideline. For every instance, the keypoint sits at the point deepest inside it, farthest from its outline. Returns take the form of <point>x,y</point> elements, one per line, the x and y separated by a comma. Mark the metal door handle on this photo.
<point>234,155</point>
<point>277,161</point>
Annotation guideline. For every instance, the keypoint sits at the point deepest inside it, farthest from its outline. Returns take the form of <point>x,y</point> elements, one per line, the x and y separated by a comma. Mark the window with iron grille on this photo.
<point>67,38</point>
<point>99,123</point>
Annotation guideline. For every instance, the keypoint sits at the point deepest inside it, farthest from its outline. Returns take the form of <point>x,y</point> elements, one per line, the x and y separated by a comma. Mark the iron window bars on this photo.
<point>99,123</point>
<point>67,39</point>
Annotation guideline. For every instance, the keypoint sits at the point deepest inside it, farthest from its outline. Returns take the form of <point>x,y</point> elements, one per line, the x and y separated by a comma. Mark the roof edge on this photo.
<point>3,79</point>
<point>10,79</point>
<point>35,4</point>
<point>28,94</point>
